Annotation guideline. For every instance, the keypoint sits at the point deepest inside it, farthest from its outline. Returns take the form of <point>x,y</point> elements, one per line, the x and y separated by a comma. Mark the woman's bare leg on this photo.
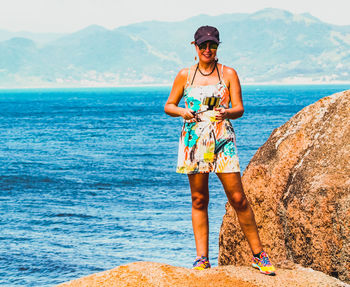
<point>200,200</point>
<point>236,197</point>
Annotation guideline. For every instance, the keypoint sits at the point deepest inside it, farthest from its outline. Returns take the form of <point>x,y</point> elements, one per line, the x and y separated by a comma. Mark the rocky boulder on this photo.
<point>298,183</point>
<point>151,274</point>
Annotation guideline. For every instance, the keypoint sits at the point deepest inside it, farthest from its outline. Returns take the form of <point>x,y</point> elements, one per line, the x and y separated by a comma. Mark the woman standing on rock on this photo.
<point>207,143</point>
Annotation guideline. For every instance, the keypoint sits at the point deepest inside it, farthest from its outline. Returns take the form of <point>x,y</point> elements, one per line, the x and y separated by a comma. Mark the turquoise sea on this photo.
<point>88,182</point>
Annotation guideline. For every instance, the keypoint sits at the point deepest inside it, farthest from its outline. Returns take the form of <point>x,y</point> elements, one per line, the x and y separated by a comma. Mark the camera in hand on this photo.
<point>211,102</point>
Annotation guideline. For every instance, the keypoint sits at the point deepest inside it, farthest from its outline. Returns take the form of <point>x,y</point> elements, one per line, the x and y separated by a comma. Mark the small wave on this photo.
<point>73,215</point>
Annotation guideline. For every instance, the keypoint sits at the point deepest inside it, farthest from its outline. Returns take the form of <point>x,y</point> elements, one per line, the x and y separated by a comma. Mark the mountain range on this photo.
<point>268,46</point>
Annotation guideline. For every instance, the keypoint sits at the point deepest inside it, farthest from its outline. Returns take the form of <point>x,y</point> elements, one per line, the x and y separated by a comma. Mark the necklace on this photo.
<point>206,74</point>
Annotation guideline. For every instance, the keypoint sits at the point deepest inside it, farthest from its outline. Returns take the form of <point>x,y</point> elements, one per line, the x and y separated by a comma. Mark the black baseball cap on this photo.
<point>206,33</point>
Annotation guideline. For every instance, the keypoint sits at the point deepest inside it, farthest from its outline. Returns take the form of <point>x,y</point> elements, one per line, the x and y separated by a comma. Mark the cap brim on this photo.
<point>206,39</point>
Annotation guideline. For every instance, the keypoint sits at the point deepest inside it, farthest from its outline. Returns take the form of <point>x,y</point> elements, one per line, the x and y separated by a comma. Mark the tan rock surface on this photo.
<point>152,274</point>
<point>299,185</point>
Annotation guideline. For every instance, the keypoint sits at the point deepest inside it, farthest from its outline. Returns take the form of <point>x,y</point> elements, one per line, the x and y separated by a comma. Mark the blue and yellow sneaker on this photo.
<point>263,264</point>
<point>201,263</point>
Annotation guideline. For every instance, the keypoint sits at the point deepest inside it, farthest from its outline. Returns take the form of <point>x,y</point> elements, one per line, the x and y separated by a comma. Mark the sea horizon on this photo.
<point>43,87</point>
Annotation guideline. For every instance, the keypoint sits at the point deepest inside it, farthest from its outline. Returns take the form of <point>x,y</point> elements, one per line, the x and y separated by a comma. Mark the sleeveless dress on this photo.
<point>206,144</point>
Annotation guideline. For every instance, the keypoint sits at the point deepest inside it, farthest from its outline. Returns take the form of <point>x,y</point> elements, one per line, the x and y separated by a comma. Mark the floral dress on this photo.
<point>206,144</point>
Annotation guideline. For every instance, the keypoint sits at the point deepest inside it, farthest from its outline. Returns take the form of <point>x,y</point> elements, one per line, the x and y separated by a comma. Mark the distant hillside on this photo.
<point>40,38</point>
<point>270,45</point>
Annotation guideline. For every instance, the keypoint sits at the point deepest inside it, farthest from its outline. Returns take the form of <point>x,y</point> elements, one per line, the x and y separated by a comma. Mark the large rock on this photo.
<point>298,183</point>
<point>149,274</point>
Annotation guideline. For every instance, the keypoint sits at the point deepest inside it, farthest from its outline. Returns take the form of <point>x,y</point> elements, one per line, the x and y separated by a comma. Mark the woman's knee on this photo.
<point>200,201</point>
<point>239,201</point>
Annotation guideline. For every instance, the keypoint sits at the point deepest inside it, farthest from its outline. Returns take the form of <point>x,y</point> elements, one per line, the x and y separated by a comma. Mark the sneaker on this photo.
<point>263,264</point>
<point>201,263</point>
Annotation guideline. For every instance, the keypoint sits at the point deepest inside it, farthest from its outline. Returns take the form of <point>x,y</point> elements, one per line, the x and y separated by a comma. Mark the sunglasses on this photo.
<point>212,46</point>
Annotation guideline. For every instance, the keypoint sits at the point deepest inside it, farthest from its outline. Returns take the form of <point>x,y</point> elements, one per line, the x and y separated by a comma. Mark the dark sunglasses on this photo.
<point>212,46</point>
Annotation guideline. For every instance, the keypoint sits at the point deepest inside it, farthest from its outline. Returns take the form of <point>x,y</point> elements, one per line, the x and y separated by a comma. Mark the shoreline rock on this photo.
<point>298,185</point>
<point>153,274</point>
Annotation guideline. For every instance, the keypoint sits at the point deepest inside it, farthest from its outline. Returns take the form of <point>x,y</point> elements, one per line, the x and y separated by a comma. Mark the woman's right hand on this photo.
<point>188,114</point>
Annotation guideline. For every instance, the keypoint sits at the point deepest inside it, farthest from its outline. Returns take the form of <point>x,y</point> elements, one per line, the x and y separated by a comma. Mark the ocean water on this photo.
<point>88,182</point>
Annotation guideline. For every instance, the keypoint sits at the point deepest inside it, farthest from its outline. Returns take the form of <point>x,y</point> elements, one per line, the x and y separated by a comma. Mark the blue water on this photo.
<point>88,182</point>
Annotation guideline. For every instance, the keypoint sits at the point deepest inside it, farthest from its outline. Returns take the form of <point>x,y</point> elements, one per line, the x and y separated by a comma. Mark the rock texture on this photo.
<point>151,274</point>
<point>298,183</point>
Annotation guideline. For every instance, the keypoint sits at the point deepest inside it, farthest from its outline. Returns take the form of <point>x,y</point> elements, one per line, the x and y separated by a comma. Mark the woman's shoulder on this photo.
<point>229,74</point>
<point>228,70</point>
<point>184,73</point>
<point>182,77</point>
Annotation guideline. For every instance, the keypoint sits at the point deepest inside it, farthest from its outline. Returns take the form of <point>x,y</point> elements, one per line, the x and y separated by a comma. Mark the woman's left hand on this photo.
<point>222,114</point>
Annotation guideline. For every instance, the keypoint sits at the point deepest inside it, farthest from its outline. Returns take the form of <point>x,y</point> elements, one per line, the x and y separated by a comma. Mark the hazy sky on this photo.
<point>72,15</point>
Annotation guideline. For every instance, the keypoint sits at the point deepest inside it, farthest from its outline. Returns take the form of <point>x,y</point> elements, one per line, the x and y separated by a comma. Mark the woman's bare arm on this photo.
<point>171,106</point>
